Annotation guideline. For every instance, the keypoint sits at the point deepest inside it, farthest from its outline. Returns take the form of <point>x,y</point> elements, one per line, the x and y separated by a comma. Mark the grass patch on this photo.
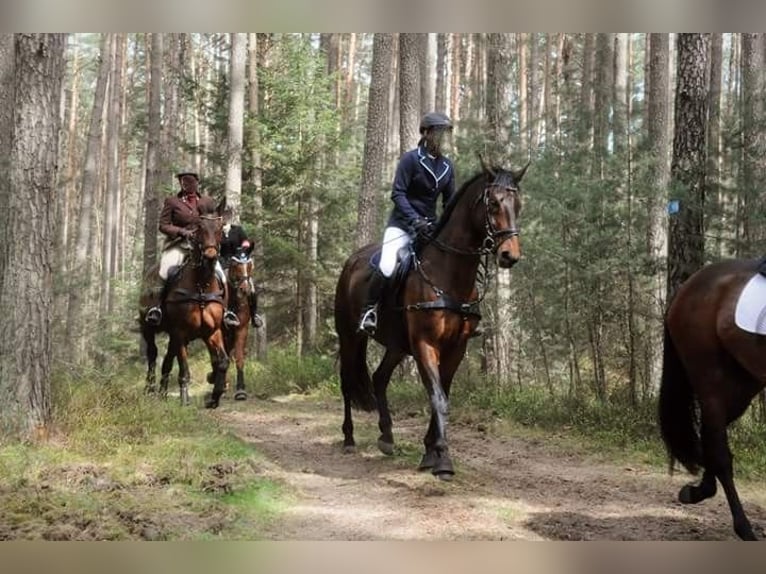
<point>126,466</point>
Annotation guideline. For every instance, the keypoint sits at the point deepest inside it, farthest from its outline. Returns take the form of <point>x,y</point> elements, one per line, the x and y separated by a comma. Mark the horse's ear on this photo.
<point>517,175</point>
<point>221,207</point>
<point>484,165</point>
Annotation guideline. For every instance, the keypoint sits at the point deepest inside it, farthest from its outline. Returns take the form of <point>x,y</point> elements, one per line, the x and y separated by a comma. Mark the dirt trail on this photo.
<point>506,488</point>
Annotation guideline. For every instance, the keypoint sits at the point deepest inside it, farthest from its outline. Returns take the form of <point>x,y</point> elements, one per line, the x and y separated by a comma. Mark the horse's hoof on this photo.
<point>211,402</point>
<point>385,447</point>
<point>428,461</point>
<point>240,395</point>
<point>349,448</point>
<point>150,390</point>
<point>444,476</point>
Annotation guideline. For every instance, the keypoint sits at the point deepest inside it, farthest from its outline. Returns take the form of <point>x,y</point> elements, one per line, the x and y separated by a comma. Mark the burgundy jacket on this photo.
<point>177,214</point>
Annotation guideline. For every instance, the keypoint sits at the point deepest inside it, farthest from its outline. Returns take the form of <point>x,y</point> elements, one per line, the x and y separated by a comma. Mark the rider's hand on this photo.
<point>421,226</point>
<point>186,233</point>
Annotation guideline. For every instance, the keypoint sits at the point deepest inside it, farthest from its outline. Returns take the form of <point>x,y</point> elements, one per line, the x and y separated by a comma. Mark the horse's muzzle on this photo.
<point>210,252</point>
<point>506,260</point>
<point>509,252</point>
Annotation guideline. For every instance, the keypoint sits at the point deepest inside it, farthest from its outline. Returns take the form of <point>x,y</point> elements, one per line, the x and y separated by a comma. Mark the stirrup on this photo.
<point>369,321</point>
<point>230,319</point>
<point>153,316</point>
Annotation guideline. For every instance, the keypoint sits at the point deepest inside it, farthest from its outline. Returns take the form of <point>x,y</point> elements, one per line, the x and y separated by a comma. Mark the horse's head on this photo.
<point>210,229</point>
<point>240,270</point>
<point>497,213</point>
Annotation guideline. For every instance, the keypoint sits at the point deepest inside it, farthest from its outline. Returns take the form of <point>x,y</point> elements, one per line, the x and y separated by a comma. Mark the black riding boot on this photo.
<point>154,314</point>
<point>369,321</point>
<point>255,318</point>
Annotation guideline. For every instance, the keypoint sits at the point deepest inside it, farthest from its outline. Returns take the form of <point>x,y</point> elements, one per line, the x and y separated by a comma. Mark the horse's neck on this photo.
<point>454,272</point>
<point>201,274</point>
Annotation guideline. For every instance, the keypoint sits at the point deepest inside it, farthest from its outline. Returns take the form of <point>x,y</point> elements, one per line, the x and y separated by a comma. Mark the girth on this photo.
<point>444,301</point>
<point>197,297</point>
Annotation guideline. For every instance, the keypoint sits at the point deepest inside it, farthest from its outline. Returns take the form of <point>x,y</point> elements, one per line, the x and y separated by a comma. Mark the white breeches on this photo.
<point>176,255</point>
<point>393,240</point>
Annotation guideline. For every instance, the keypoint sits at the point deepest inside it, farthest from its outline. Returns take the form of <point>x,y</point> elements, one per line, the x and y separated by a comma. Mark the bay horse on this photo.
<point>433,312</point>
<point>239,273</point>
<point>712,370</point>
<point>193,309</point>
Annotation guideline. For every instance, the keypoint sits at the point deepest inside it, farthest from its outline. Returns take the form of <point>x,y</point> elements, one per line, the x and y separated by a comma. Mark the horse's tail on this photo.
<point>355,381</point>
<point>678,411</point>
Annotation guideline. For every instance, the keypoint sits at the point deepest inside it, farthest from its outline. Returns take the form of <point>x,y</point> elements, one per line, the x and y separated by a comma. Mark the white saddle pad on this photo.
<point>750,314</point>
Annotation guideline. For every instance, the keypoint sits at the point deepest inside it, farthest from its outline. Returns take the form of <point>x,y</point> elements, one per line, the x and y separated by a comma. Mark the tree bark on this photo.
<point>409,91</point>
<point>367,226</point>
<point>27,283</point>
<point>82,267</point>
<point>236,124</point>
<point>153,175</point>
<point>686,242</point>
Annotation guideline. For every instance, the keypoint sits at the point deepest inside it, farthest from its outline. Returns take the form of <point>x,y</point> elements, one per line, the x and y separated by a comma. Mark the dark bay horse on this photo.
<point>434,312</point>
<point>239,274</point>
<point>193,310</point>
<point>712,370</point>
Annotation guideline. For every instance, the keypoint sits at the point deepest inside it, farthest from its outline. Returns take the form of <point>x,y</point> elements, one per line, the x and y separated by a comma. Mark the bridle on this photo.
<point>494,237</point>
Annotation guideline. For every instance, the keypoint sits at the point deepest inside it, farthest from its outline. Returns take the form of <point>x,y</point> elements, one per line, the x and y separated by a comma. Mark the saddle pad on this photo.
<point>750,314</point>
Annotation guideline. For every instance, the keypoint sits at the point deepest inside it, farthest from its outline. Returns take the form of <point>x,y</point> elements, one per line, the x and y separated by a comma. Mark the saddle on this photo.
<point>404,261</point>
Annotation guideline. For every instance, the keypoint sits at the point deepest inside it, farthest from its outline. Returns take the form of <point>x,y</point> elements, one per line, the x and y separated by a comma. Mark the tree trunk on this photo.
<point>440,96</point>
<point>260,338</point>
<point>586,89</point>
<point>7,94</point>
<point>456,61</point>
<point>367,226</point>
<point>409,91</point>
<point>153,176</point>
<point>659,173</point>
<point>82,268</point>
<point>686,242</point>
<point>497,101</point>
<point>719,223</point>
<point>236,124</point>
<point>27,283</point>
<point>523,92</point>
<point>112,204</point>
<point>754,144</point>
<point>427,75</point>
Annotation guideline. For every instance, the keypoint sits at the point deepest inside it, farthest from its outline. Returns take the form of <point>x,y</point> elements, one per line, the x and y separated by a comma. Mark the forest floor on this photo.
<point>510,484</point>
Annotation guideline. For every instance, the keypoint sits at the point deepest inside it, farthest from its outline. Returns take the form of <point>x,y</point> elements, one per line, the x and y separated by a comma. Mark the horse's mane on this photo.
<point>454,200</point>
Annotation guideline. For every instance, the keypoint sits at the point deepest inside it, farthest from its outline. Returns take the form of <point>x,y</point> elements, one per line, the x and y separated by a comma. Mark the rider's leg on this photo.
<point>252,299</point>
<point>393,240</point>
<point>230,318</point>
<point>171,260</point>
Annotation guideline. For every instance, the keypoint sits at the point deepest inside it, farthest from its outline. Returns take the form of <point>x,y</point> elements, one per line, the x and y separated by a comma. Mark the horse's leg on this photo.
<point>447,368</point>
<point>694,493</point>
<point>184,375</point>
<point>380,379</point>
<point>355,383</point>
<point>718,460</point>
<point>240,349</point>
<point>167,366</point>
<point>220,365</point>
<point>428,358</point>
<point>151,359</point>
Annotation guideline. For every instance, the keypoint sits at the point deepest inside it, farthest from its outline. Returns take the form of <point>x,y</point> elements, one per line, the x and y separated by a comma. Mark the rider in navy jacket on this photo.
<point>421,176</point>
